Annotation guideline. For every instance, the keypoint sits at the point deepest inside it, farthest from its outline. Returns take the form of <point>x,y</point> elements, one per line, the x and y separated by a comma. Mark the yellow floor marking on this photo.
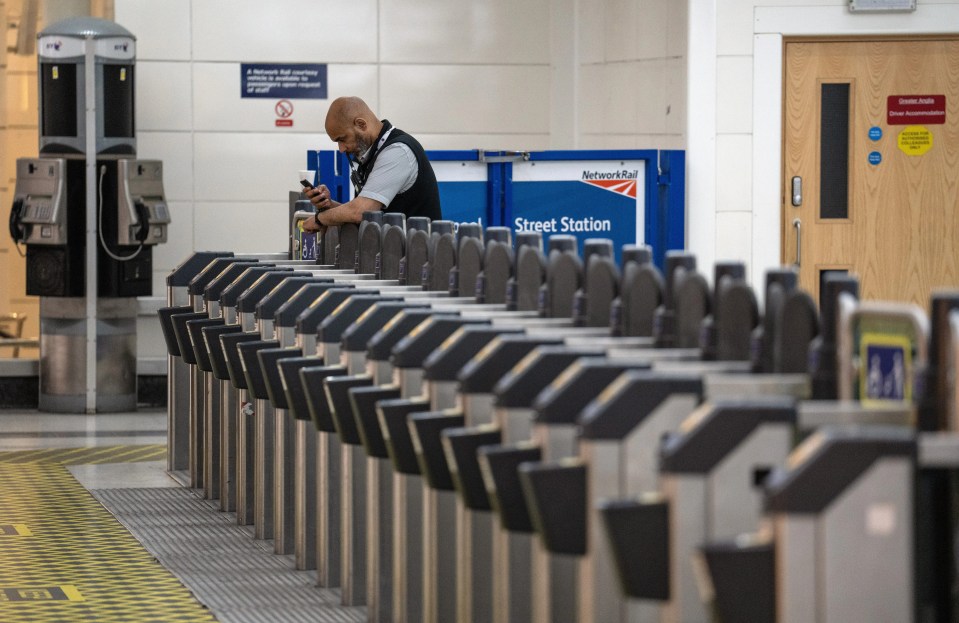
<point>88,455</point>
<point>120,455</point>
<point>17,529</point>
<point>80,564</point>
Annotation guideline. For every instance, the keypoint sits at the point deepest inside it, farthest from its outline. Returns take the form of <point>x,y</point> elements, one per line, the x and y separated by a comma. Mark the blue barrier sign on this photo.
<point>283,80</point>
<point>583,198</point>
<point>885,368</point>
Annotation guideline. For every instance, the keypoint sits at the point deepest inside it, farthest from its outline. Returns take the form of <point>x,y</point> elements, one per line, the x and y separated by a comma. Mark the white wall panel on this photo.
<point>162,29</point>
<point>439,31</point>
<point>175,149</point>
<point>733,239</point>
<point>677,22</point>
<point>621,141</point>
<point>735,27</point>
<point>180,240</point>
<point>734,172</point>
<point>289,31</point>
<point>592,141</point>
<point>466,98</point>
<point>650,96</point>
<point>652,29</point>
<point>21,99</point>
<point>591,24</point>
<point>676,72</point>
<point>622,27</point>
<point>164,95</point>
<point>701,134</point>
<point>734,96</point>
<point>625,86</point>
<point>249,167</point>
<point>766,154</point>
<point>593,96</point>
<point>242,227</point>
<point>801,19</point>
<point>218,105</point>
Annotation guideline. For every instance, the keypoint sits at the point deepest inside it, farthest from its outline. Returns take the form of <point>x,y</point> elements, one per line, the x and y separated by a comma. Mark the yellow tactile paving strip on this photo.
<point>65,558</point>
<point>87,456</point>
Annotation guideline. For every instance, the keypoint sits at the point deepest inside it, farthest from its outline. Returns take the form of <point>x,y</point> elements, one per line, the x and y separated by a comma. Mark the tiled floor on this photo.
<point>32,430</point>
<point>236,578</point>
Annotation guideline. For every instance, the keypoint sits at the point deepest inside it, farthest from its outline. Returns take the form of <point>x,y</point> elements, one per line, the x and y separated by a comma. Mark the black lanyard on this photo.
<point>360,171</point>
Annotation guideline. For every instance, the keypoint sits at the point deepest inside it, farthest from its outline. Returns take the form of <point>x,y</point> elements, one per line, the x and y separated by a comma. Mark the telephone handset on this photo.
<point>17,231</point>
<point>143,221</point>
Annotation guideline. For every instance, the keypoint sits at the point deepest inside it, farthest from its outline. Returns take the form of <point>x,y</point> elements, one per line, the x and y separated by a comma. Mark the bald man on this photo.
<point>390,169</point>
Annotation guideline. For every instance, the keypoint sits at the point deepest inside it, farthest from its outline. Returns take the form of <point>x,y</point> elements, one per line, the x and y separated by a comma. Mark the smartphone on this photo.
<point>306,184</point>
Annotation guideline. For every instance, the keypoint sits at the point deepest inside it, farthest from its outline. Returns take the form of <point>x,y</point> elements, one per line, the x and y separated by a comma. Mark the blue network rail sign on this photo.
<point>582,198</point>
<point>283,80</point>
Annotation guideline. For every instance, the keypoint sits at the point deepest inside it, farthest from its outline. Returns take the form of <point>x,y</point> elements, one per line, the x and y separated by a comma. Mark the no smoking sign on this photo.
<point>284,113</point>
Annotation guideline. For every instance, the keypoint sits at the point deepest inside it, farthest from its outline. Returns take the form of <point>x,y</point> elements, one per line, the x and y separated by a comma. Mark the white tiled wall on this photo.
<point>467,98</point>
<point>175,149</point>
<point>632,89</point>
<point>488,32</point>
<point>283,31</point>
<point>164,97</point>
<point>163,30</point>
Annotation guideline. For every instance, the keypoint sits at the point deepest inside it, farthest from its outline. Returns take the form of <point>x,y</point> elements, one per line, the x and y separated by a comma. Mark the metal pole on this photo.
<point>91,223</point>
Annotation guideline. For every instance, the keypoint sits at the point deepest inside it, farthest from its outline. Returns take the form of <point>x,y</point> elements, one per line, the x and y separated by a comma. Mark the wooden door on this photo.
<point>871,129</point>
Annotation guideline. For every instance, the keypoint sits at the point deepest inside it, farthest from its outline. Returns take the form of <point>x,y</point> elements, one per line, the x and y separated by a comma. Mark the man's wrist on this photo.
<point>316,218</point>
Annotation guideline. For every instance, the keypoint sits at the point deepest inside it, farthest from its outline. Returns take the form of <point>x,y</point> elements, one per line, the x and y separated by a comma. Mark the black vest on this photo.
<point>423,197</point>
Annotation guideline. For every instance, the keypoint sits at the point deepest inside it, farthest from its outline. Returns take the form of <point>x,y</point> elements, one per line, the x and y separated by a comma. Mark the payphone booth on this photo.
<point>88,213</point>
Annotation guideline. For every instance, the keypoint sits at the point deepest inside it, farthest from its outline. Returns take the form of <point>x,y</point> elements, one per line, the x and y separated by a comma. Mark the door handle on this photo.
<point>797,224</point>
<point>797,191</point>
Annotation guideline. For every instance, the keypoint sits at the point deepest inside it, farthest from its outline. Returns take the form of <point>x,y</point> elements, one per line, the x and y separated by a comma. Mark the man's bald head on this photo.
<point>352,125</point>
<point>347,109</point>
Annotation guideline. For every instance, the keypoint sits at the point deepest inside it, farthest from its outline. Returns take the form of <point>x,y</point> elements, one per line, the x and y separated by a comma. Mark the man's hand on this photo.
<point>313,224</point>
<point>320,197</point>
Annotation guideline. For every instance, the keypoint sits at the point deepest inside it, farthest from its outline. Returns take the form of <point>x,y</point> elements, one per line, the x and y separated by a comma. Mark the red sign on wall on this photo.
<point>914,109</point>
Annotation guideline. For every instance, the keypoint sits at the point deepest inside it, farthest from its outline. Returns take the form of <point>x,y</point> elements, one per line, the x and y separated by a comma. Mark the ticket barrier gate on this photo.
<point>228,394</point>
<point>648,582</point>
<point>175,326</point>
<point>554,603</point>
<point>180,300</point>
<point>355,337</point>
<point>596,569</point>
<point>440,241</point>
<point>440,389</point>
<point>178,374</point>
<point>413,574</point>
<point>198,396</point>
<point>410,382</point>
<point>851,547</point>
<point>248,369</point>
<point>475,558</point>
<point>311,266</point>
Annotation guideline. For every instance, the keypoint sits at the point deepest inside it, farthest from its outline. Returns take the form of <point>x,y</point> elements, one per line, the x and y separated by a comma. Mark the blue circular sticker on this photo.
<point>875,157</point>
<point>875,133</point>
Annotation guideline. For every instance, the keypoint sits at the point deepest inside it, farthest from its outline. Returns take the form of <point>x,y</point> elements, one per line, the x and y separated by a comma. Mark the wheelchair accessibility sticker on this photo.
<point>885,370</point>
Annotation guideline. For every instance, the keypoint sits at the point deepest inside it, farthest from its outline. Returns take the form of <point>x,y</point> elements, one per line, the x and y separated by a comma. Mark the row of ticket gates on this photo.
<point>464,426</point>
